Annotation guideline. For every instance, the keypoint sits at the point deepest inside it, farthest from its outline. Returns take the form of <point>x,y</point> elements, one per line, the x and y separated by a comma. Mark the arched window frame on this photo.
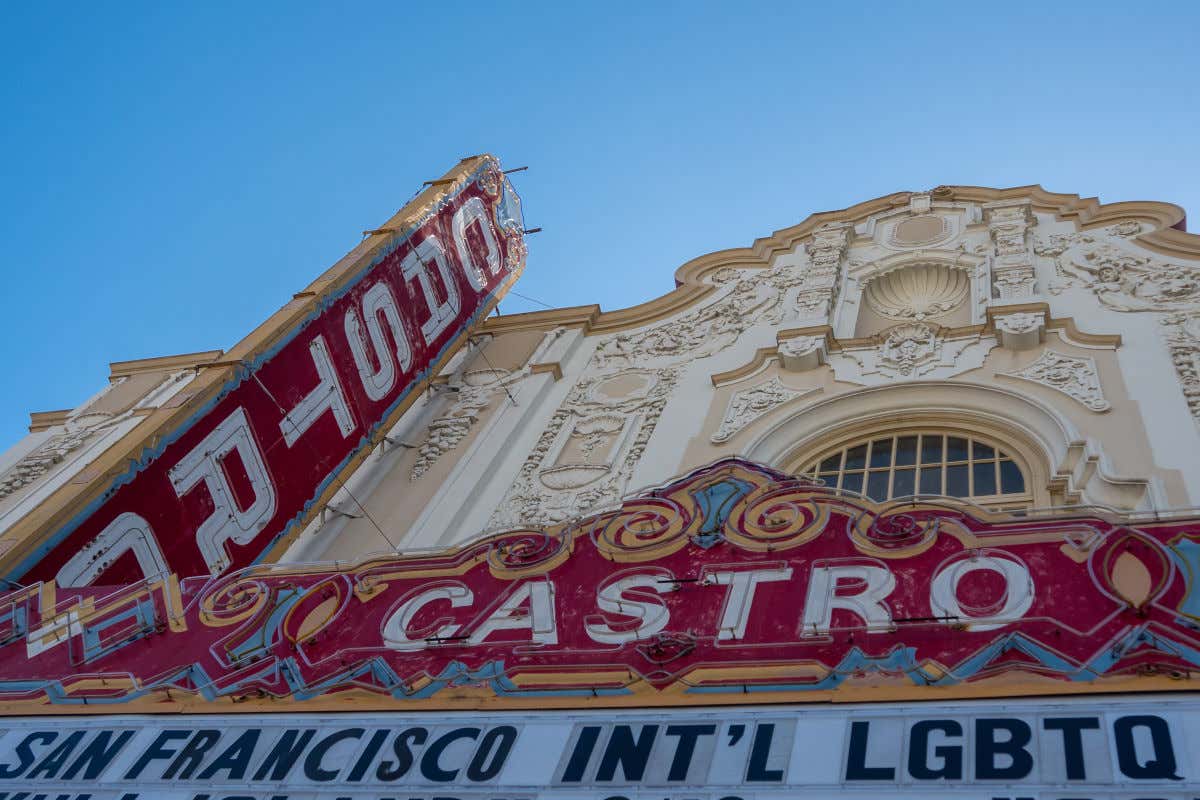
<point>943,459</point>
<point>1040,489</point>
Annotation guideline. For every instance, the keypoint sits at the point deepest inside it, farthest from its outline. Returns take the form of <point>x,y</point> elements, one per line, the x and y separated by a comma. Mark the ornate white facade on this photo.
<point>1064,332</point>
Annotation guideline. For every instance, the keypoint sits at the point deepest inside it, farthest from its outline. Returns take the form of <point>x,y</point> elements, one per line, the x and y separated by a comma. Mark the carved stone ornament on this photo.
<point>1077,378</point>
<point>1009,222</point>
<point>724,275</point>
<point>1182,332</point>
<point>566,470</point>
<point>918,292</point>
<point>748,405</point>
<point>1128,282</point>
<point>1016,284</point>
<point>1023,322</point>
<point>907,347</point>
<point>801,352</point>
<point>921,230</point>
<point>447,431</point>
<point>50,453</point>
<point>1022,330</point>
<point>910,351</point>
<point>1122,280</point>
<point>475,392</point>
<point>1125,229</point>
<point>543,492</point>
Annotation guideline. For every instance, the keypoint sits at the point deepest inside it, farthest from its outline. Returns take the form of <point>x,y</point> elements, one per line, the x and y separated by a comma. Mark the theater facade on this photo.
<point>900,501</point>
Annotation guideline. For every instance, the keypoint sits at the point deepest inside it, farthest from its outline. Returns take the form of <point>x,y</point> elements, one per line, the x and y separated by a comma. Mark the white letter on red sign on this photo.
<point>227,522</point>
<point>540,620</point>
<point>395,630</point>
<point>378,300</point>
<point>327,396</point>
<point>473,211</point>
<point>128,532</point>
<point>417,263</point>
<point>867,604</point>
<point>736,611</point>
<point>1018,591</point>
<point>652,613</point>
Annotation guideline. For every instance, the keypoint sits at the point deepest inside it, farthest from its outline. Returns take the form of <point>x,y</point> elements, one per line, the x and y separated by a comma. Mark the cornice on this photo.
<point>834,344</point>
<point>123,369</point>
<point>1168,237</point>
<point>41,420</point>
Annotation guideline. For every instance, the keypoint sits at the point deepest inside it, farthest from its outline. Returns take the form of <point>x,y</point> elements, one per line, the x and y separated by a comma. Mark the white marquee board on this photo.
<point>1095,748</point>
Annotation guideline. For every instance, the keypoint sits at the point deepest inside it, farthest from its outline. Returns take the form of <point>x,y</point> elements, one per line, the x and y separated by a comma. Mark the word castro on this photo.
<point>734,579</point>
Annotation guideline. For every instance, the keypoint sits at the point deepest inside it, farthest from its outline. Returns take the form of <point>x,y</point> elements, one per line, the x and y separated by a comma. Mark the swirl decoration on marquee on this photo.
<point>643,530</point>
<point>777,517</point>
<point>733,583</point>
<point>521,553</point>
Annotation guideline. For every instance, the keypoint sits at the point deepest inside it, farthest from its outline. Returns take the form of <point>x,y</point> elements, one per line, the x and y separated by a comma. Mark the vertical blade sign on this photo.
<point>251,465</point>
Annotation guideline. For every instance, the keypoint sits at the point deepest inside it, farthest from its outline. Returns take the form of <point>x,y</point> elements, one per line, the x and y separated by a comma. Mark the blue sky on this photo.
<point>171,173</point>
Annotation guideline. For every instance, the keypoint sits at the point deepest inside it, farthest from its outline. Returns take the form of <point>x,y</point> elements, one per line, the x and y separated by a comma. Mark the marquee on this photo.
<point>968,751</point>
<point>732,584</point>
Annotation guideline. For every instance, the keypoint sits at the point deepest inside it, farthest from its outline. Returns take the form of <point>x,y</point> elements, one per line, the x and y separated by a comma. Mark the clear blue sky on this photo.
<point>171,173</point>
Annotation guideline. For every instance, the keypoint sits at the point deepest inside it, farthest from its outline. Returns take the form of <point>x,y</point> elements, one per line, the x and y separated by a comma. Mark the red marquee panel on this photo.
<point>734,580</point>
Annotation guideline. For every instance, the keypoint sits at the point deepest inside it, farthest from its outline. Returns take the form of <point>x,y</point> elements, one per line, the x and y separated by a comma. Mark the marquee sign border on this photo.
<point>637,533</point>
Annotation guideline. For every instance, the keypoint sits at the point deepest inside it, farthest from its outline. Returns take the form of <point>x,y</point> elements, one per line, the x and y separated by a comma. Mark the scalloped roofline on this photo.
<point>1167,237</point>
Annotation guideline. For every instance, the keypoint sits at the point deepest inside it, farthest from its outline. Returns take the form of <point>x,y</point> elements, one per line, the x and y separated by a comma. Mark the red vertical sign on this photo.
<point>248,467</point>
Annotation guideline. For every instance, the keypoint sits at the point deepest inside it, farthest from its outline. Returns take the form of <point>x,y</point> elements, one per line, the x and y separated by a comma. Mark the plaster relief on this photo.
<point>918,292</point>
<point>919,231</point>
<point>801,353</point>
<point>1121,279</point>
<point>51,453</point>
<point>748,405</point>
<point>84,426</point>
<point>1077,378</point>
<point>1023,330</point>
<point>588,451</point>
<point>447,431</point>
<point>1182,332</point>
<point>1009,222</point>
<point>475,391</point>
<point>910,351</point>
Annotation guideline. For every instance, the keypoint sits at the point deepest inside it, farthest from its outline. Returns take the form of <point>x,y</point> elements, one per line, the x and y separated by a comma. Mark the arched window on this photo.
<point>926,462</point>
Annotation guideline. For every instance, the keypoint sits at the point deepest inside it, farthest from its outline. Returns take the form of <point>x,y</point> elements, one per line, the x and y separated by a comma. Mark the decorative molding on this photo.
<point>123,369</point>
<point>1161,224</point>
<point>553,484</point>
<point>920,230</point>
<point>819,291</point>
<point>748,405</point>
<point>1020,330</point>
<point>1075,377</point>
<point>801,353</point>
<point>1009,222</point>
<point>52,452</point>
<point>1182,332</point>
<point>907,347</point>
<point>447,431</point>
<point>707,330</point>
<point>1121,279</point>
<point>1127,282</point>
<point>476,389</point>
<point>909,351</point>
